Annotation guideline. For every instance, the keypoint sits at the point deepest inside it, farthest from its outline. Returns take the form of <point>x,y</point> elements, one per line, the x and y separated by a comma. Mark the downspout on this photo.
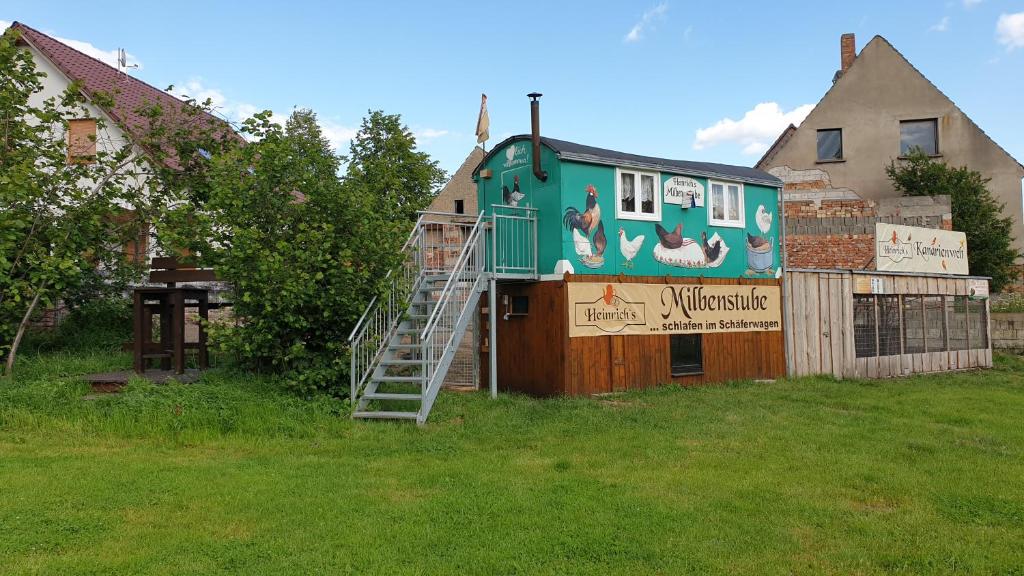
<point>786,304</point>
<point>535,135</point>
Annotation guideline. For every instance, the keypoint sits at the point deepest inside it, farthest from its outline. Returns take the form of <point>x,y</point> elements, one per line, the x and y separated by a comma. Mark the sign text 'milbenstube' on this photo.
<point>599,309</point>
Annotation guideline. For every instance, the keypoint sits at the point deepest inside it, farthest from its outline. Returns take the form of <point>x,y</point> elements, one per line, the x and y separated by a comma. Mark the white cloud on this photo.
<point>968,4</point>
<point>941,26</point>
<point>108,57</point>
<point>428,133</point>
<point>338,134</point>
<point>757,129</point>
<point>646,22</point>
<point>1010,30</point>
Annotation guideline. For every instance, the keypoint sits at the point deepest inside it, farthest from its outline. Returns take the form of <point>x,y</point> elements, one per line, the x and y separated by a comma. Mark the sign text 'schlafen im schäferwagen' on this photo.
<point>911,249</point>
<point>600,309</point>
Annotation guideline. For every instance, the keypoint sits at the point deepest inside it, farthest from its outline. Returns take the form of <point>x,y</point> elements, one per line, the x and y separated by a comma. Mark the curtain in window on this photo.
<point>734,203</point>
<point>627,190</point>
<point>647,194</point>
<point>717,202</point>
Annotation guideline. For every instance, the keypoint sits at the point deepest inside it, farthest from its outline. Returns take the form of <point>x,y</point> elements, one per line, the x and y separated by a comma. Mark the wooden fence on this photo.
<point>877,325</point>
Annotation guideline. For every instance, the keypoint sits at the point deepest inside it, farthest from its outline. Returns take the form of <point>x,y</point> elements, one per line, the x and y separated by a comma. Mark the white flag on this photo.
<point>483,122</point>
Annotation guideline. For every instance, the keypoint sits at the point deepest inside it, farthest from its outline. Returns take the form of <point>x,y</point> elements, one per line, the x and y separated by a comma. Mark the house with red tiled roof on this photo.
<point>123,97</point>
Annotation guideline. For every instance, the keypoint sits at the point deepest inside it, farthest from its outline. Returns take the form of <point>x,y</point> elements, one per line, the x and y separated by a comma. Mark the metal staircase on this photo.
<point>404,343</point>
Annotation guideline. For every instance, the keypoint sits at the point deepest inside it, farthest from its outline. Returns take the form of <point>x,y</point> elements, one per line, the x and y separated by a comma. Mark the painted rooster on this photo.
<point>588,220</point>
<point>629,248</point>
<point>512,197</point>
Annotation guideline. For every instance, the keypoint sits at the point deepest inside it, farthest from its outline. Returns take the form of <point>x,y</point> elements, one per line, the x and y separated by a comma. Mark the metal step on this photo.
<point>383,415</point>
<point>416,379</point>
<point>401,362</point>
<point>393,396</point>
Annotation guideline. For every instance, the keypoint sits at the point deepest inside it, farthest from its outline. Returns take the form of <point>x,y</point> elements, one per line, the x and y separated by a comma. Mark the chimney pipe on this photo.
<point>535,135</point>
<point>847,51</point>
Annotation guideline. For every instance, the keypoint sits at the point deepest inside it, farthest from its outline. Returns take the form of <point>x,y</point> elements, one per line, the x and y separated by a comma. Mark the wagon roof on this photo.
<point>593,155</point>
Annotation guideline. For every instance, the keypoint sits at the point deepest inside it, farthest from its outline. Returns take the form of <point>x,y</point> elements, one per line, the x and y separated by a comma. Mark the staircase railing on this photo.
<point>452,311</point>
<point>514,241</point>
<point>370,336</point>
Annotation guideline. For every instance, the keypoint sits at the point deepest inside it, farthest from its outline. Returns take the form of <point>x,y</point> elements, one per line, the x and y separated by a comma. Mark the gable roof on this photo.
<point>461,181</point>
<point>128,93</point>
<point>779,143</point>
<point>841,81</point>
<point>593,155</point>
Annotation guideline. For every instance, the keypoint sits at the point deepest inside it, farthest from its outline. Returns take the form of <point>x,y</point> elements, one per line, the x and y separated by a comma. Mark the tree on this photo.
<point>63,216</point>
<point>303,253</point>
<point>975,212</point>
<point>384,163</point>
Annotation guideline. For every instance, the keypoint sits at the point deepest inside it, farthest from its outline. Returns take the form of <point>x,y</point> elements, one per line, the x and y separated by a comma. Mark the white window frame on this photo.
<point>638,214</point>
<point>710,200</point>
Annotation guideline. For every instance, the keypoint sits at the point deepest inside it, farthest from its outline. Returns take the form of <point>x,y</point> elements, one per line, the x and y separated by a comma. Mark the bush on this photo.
<point>98,325</point>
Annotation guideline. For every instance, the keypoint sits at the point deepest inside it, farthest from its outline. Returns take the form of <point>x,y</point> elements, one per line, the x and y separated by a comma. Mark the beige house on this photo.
<point>879,107</point>
<point>459,195</point>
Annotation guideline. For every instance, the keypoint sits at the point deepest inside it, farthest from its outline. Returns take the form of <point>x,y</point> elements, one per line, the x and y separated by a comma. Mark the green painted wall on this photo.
<point>544,196</point>
<point>734,264</point>
<point>566,187</point>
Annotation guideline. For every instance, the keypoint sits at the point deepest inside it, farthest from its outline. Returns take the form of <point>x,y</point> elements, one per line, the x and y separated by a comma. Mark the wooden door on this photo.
<point>618,359</point>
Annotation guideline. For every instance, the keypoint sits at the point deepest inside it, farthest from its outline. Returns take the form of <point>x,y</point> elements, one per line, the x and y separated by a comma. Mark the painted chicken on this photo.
<point>764,219</point>
<point>600,240</point>
<point>582,245</point>
<point>609,294</point>
<point>711,251</point>
<point>512,197</point>
<point>588,220</point>
<point>629,248</point>
<point>670,240</point>
<point>755,241</point>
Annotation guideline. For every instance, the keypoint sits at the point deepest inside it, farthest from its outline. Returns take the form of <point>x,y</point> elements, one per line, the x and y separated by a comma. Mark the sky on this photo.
<point>688,79</point>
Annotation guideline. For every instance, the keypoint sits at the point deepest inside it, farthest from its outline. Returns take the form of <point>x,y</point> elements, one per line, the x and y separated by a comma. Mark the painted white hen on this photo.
<point>629,248</point>
<point>582,244</point>
<point>764,219</point>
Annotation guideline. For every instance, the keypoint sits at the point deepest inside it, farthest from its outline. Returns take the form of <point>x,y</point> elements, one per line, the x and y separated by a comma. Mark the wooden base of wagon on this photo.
<point>537,356</point>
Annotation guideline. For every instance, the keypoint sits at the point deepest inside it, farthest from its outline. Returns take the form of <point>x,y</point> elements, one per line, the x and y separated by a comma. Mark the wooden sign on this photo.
<point>684,191</point>
<point>977,289</point>
<point>598,309</point>
<point>912,249</point>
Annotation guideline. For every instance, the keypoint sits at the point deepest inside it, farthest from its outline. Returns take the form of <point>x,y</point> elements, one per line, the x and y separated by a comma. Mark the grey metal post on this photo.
<point>492,341</point>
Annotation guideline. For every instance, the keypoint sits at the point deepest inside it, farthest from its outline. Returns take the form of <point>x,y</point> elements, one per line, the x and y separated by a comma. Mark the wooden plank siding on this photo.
<point>820,332</point>
<point>536,355</point>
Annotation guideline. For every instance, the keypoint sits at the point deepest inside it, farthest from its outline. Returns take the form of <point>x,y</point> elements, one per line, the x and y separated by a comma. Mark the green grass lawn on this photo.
<point>231,476</point>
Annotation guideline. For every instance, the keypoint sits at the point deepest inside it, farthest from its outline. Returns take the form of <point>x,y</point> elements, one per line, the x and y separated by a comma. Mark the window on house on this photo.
<point>919,134</point>
<point>889,325</point>
<point>460,207</point>
<point>956,312</point>
<point>726,205</point>
<point>82,140</point>
<point>685,351</point>
<point>864,327</point>
<point>830,144</point>
<point>637,196</point>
